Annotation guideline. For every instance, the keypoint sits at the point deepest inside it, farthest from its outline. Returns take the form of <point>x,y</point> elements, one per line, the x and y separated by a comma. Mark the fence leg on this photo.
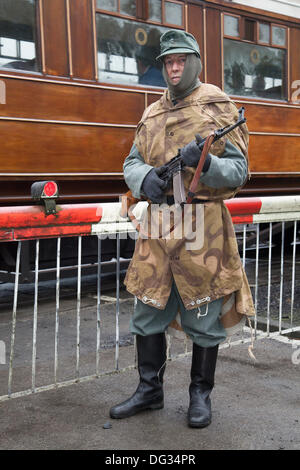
<point>57,310</point>
<point>35,312</point>
<point>78,306</point>
<point>98,307</point>
<point>14,318</point>
<point>118,302</point>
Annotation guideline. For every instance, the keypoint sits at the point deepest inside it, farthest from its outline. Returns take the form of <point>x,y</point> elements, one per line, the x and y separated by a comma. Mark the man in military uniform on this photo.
<point>207,285</point>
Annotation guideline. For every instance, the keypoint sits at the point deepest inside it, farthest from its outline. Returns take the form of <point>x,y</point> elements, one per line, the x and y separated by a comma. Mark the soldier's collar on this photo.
<point>193,96</point>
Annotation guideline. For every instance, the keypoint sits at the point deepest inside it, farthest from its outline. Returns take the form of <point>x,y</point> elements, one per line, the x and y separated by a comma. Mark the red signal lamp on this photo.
<point>50,189</point>
<point>45,192</point>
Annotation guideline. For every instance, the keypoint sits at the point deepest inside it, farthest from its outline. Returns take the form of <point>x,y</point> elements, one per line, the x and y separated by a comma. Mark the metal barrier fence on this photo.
<point>267,234</point>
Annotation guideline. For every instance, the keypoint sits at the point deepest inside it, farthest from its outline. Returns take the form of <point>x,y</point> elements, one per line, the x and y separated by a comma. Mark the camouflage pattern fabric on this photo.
<point>165,128</point>
<point>212,270</point>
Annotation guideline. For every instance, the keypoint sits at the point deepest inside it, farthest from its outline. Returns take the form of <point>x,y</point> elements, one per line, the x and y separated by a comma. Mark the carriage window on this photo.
<point>264,33</point>
<point>173,13</point>
<point>109,5</point>
<point>252,70</point>
<point>165,11</point>
<point>278,36</point>
<point>127,51</point>
<point>253,66</point>
<point>125,7</point>
<point>231,26</point>
<point>18,34</point>
<point>155,13</point>
<point>128,7</point>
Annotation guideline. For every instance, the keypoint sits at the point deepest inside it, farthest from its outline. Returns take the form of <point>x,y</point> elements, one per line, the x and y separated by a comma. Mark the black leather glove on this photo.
<point>153,186</point>
<point>191,154</point>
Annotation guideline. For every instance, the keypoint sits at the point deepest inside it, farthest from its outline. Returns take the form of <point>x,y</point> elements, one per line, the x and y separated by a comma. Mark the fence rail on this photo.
<point>267,231</point>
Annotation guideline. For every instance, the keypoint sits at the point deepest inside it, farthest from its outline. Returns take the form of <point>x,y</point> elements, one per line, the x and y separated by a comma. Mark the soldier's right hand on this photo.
<point>153,187</point>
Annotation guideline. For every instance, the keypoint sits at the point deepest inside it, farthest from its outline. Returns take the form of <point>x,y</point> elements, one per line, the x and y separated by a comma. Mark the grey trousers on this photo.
<point>205,330</point>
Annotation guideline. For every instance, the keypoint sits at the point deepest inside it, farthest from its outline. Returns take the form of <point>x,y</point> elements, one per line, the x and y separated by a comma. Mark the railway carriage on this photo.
<point>76,76</point>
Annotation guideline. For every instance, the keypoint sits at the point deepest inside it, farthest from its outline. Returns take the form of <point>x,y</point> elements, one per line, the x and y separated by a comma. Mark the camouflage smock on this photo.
<point>214,270</point>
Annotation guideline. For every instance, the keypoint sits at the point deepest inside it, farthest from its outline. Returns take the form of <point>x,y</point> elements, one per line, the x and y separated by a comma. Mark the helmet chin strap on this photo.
<point>189,79</point>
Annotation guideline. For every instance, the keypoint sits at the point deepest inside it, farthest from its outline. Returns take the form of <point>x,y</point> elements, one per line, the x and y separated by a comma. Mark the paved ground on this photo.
<point>255,406</point>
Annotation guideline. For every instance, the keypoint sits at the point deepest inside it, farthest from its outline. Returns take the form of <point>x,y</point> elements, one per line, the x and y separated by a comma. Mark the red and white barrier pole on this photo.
<point>30,222</point>
<point>265,209</point>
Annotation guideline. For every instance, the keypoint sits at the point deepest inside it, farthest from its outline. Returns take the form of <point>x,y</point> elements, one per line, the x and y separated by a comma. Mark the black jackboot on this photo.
<point>151,353</point>
<point>202,382</point>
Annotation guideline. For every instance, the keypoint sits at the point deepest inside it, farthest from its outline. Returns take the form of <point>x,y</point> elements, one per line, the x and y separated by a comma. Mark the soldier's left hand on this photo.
<point>190,154</point>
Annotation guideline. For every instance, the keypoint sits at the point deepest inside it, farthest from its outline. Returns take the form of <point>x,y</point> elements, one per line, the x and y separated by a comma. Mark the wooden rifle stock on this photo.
<point>127,200</point>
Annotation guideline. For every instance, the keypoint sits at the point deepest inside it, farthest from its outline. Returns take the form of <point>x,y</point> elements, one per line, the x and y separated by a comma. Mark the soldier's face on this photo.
<point>174,65</point>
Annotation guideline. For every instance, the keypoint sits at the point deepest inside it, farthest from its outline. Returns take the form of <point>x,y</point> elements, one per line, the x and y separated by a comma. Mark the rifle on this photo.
<point>172,170</point>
